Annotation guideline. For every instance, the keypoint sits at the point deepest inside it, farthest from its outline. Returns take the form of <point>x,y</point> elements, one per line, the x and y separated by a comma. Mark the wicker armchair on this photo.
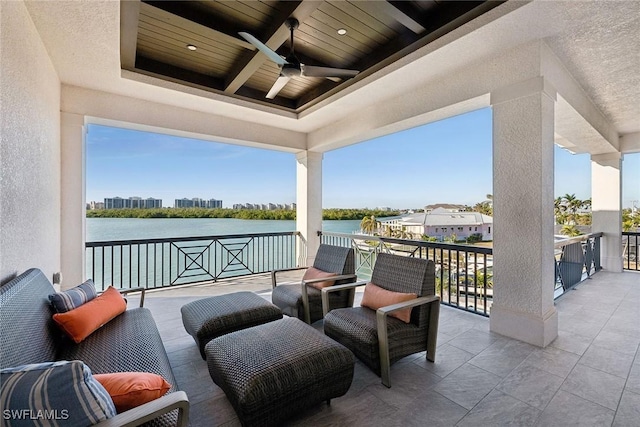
<point>305,302</point>
<point>378,340</point>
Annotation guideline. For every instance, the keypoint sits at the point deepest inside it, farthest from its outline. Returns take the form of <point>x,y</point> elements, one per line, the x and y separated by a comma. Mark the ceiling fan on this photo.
<point>291,66</point>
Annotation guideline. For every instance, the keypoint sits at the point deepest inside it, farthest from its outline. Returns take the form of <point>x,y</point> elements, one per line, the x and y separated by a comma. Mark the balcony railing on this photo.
<point>464,273</point>
<point>157,263</point>
<point>576,258</point>
<point>631,250</point>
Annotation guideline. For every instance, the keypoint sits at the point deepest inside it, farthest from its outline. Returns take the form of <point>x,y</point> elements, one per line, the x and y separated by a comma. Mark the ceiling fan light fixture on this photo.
<point>192,47</point>
<point>342,31</point>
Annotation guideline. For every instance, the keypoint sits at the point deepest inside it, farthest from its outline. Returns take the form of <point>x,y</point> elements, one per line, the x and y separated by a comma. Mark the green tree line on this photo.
<point>277,214</point>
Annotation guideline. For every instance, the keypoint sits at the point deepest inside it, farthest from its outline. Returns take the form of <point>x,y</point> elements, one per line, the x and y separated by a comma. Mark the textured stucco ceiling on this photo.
<point>596,41</point>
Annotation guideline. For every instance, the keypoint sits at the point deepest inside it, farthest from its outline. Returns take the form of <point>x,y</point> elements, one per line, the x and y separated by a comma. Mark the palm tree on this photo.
<point>571,205</point>
<point>369,225</point>
<point>570,230</point>
<point>402,233</point>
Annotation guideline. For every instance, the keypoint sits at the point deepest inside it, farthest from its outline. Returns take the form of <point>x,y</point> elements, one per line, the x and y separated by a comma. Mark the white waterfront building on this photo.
<point>442,223</point>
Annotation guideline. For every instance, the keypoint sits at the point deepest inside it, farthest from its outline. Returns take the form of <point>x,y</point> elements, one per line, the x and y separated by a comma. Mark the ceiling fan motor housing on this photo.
<point>292,68</point>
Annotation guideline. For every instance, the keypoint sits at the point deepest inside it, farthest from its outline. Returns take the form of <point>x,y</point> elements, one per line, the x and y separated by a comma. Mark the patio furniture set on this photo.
<point>272,367</point>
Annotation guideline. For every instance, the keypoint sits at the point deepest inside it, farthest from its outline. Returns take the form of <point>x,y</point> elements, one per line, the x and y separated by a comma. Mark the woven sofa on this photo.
<point>128,343</point>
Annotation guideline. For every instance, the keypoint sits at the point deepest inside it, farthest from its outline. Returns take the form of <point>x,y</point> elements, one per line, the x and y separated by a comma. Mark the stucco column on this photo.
<point>606,207</point>
<point>523,259</point>
<point>73,204</point>
<point>309,202</point>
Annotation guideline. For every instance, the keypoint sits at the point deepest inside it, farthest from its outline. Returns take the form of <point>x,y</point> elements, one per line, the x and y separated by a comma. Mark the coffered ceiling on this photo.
<point>197,43</point>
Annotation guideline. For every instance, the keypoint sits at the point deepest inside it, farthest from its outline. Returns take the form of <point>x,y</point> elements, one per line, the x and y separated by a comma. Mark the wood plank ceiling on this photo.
<point>155,36</point>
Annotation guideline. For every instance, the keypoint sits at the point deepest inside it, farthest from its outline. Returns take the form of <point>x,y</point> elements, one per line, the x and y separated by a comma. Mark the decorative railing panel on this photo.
<point>464,273</point>
<point>156,263</point>
<point>630,250</point>
<point>576,258</point>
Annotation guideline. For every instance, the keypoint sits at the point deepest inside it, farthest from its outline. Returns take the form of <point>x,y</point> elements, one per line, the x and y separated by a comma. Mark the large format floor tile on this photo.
<point>588,376</point>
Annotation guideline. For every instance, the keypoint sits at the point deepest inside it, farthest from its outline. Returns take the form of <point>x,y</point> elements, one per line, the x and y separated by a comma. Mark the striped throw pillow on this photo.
<point>74,297</point>
<point>53,393</point>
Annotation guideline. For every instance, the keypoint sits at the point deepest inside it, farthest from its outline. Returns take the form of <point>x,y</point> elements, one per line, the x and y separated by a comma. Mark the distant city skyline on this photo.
<point>448,161</point>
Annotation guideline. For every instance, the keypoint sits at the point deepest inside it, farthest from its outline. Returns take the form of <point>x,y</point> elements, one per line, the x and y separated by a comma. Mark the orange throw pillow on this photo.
<point>375,297</point>
<point>131,389</point>
<point>81,322</point>
<point>314,273</point>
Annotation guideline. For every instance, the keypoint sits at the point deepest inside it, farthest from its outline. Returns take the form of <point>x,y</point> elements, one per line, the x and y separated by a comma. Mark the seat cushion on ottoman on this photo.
<point>209,318</point>
<point>273,371</point>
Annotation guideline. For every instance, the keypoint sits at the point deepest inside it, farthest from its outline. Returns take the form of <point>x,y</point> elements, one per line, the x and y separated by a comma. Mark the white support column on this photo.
<point>523,250</point>
<point>309,201</point>
<point>73,203</point>
<point>606,207</point>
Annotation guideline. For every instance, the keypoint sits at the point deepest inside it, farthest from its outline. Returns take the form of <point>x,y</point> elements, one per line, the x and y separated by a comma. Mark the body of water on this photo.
<point>163,264</point>
<point>106,229</point>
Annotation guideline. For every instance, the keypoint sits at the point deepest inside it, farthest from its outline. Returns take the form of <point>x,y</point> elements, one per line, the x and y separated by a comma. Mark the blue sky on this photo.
<point>443,162</point>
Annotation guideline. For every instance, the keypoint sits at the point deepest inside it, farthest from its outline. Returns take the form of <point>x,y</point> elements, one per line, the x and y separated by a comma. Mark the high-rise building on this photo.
<point>265,206</point>
<point>151,203</point>
<point>213,203</point>
<point>114,203</point>
<point>131,203</point>
<point>197,203</point>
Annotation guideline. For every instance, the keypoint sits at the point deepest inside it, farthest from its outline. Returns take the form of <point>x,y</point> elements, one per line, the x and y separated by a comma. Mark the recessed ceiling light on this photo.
<point>191,47</point>
<point>342,31</point>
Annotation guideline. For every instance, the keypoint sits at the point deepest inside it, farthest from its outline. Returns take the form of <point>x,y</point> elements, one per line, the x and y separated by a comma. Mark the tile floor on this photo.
<point>589,376</point>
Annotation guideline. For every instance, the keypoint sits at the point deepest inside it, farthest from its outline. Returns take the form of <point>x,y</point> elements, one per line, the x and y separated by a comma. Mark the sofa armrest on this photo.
<point>405,304</point>
<point>336,288</point>
<point>383,339</point>
<point>147,412</point>
<point>305,295</point>
<point>125,292</point>
<point>282,270</point>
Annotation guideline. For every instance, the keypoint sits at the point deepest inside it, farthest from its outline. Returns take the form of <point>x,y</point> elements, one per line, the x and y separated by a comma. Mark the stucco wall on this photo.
<point>29,148</point>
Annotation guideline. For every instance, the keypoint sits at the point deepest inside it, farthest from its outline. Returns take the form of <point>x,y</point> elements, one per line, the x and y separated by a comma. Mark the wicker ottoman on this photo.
<point>273,371</point>
<point>209,318</point>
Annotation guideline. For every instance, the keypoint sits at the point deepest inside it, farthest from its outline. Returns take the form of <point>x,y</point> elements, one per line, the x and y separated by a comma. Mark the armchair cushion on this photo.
<point>315,273</point>
<point>376,297</point>
<point>74,297</point>
<point>131,389</point>
<point>81,322</point>
<point>356,329</point>
<point>64,390</point>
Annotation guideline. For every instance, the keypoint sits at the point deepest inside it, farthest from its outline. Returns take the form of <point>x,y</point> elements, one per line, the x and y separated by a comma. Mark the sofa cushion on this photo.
<point>64,391</point>
<point>129,343</point>
<point>81,322</point>
<point>375,297</point>
<point>131,389</point>
<point>74,297</point>
<point>314,273</point>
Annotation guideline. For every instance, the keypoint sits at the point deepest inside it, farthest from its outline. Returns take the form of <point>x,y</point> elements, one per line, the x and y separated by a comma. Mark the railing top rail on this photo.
<point>577,239</point>
<point>631,233</point>
<point>187,239</point>
<point>421,243</point>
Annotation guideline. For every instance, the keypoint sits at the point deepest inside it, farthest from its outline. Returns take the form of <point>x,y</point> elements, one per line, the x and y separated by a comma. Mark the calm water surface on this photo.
<point>104,229</point>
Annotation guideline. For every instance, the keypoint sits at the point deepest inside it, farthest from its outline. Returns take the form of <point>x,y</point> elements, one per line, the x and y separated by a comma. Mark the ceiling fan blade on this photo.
<point>263,48</point>
<point>277,86</point>
<point>312,71</point>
